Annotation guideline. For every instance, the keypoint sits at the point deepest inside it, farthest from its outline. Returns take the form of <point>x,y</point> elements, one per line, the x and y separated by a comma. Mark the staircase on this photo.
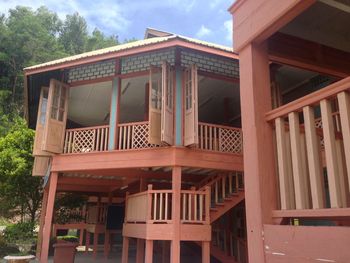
<point>227,191</point>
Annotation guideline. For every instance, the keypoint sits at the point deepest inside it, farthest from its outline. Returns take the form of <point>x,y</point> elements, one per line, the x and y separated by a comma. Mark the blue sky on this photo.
<point>203,19</point>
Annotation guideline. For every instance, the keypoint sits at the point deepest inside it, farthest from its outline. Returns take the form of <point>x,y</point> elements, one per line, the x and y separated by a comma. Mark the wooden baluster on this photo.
<point>124,138</point>
<point>166,206</point>
<point>183,206</point>
<point>331,156</point>
<point>149,203</point>
<point>195,196</point>
<point>215,140</point>
<point>220,138</point>
<point>120,132</point>
<point>155,208</point>
<point>299,174</point>
<point>202,137</point>
<point>230,183</point>
<point>129,137</point>
<point>314,161</point>
<point>223,184</point>
<point>284,167</point>
<point>207,205</point>
<point>201,207</point>
<point>161,206</point>
<point>216,192</point>
<point>206,137</point>
<point>106,138</point>
<point>189,207</point>
<point>211,138</point>
<point>344,111</point>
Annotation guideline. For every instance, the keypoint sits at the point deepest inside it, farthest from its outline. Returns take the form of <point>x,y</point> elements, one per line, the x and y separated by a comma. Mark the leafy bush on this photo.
<point>72,239</point>
<point>19,232</point>
<point>6,249</point>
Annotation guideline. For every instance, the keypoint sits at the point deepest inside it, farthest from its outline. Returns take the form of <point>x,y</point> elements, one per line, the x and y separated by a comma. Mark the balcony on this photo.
<point>131,136</point>
<point>313,156</point>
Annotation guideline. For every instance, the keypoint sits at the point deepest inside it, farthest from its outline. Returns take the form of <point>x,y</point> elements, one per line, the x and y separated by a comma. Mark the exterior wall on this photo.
<point>211,64</point>
<point>142,62</point>
<point>92,71</point>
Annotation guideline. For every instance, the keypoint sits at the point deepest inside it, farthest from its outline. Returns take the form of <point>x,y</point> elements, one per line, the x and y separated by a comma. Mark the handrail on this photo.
<point>313,98</point>
<point>88,128</point>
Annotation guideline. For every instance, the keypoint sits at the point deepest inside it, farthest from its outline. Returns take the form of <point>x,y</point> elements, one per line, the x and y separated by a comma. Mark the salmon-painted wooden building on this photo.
<point>155,126</point>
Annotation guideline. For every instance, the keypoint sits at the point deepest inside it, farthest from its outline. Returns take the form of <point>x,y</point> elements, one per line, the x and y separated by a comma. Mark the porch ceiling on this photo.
<point>326,22</point>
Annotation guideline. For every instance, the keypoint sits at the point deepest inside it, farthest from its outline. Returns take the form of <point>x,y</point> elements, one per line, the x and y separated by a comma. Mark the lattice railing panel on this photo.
<point>134,136</point>
<point>86,140</point>
<point>230,140</point>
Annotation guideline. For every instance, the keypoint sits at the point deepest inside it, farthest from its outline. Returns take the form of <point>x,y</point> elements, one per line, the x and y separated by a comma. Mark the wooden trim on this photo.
<point>301,53</point>
<point>218,76</point>
<point>90,81</point>
<point>310,99</point>
<point>313,213</point>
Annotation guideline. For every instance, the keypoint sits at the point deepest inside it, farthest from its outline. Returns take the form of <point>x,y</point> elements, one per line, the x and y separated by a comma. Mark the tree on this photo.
<point>74,34</point>
<point>20,192</point>
<point>98,40</point>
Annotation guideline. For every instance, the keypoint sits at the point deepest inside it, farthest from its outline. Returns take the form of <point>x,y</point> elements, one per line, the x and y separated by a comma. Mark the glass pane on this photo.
<point>43,111</point>
<point>60,115</point>
<point>62,102</point>
<point>45,93</point>
<point>54,113</point>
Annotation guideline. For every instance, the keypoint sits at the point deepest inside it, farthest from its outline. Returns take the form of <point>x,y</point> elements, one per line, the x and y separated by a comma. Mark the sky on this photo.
<point>207,20</point>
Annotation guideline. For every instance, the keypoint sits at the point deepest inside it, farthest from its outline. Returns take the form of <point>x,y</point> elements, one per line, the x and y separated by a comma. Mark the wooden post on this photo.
<point>42,221</point>
<point>140,250</point>
<point>205,252</point>
<point>125,251</point>
<point>176,206</point>
<point>48,217</point>
<point>107,244</point>
<point>259,166</point>
<point>149,251</point>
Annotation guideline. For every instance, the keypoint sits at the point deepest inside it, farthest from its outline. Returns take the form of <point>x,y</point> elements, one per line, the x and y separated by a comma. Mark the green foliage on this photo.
<point>72,239</point>
<point>19,232</point>
<point>20,193</point>
<point>7,249</point>
<point>67,206</point>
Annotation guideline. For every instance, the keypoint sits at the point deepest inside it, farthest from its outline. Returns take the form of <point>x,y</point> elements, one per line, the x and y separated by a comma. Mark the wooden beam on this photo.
<point>48,217</point>
<point>176,206</point>
<point>297,52</point>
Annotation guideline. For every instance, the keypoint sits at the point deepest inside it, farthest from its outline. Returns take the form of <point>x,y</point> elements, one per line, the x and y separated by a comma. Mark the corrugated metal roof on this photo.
<point>135,44</point>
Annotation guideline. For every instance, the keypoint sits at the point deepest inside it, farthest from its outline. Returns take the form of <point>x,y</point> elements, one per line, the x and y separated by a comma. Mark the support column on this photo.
<point>140,250</point>
<point>149,251</point>
<point>42,221</point>
<point>125,251</point>
<point>259,168</point>
<point>114,114</point>
<point>48,217</point>
<point>176,208</point>
<point>205,252</point>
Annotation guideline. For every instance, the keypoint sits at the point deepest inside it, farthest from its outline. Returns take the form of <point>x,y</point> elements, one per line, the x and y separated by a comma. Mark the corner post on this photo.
<point>176,207</point>
<point>48,217</point>
<point>42,221</point>
<point>259,166</point>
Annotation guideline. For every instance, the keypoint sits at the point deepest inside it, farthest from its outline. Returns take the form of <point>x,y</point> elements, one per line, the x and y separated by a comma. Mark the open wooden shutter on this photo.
<point>191,106</point>
<point>167,123</point>
<point>155,105</point>
<point>40,166</point>
<point>40,123</point>
<point>56,117</point>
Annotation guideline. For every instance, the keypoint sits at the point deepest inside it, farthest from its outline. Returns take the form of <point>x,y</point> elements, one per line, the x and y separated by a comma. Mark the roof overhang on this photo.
<point>175,41</point>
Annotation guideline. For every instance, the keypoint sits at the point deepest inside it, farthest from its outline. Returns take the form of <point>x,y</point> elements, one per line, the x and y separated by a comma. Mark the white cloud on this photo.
<point>203,31</point>
<point>105,15</point>
<point>228,25</point>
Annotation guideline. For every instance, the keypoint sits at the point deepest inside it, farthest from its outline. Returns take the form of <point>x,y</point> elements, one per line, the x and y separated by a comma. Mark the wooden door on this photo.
<point>167,114</point>
<point>155,105</point>
<point>56,117</point>
<point>40,123</point>
<point>191,106</point>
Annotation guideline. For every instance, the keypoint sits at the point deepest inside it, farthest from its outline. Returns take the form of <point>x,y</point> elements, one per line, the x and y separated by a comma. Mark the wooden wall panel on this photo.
<point>306,244</point>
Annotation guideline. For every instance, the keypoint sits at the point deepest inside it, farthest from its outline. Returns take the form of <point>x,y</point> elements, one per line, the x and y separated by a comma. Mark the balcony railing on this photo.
<point>135,136</point>
<point>303,142</point>
<point>220,138</point>
<point>155,206</point>
<point>82,140</point>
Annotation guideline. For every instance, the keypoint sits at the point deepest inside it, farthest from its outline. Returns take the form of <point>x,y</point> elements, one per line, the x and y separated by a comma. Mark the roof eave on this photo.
<point>173,42</point>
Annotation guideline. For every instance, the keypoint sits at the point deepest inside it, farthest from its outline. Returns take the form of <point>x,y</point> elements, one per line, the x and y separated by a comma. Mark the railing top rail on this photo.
<point>310,99</point>
<point>132,123</point>
<point>219,126</point>
<point>88,128</point>
<point>192,192</point>
<point>160,191</point>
